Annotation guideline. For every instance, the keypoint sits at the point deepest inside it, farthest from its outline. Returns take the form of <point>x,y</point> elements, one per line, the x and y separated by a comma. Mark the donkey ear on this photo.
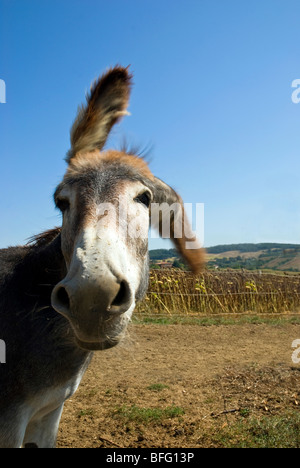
<point>169,217</point>
<point>106,104</point>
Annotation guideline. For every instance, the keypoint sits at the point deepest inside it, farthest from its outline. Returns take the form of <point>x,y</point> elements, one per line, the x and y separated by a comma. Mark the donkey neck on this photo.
<point>25,291</point>
<point>32,330</point>
<point>40,270</point>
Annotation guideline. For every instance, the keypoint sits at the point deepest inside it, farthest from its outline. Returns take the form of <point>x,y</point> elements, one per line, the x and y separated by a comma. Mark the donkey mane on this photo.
<point>97,160</point>
<point>138,150</point>
<point>44,238</point>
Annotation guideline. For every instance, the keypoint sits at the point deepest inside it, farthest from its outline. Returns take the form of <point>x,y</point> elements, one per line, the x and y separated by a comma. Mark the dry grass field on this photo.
<point>190,386</point>
<point>212,368</point>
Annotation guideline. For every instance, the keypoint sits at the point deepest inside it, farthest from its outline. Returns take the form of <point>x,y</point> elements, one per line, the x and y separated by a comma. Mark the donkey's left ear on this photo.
<point>169,217</point>
<point>106,104</point>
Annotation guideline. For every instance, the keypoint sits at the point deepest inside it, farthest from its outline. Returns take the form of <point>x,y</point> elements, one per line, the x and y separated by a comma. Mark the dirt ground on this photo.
<point>175,385</point>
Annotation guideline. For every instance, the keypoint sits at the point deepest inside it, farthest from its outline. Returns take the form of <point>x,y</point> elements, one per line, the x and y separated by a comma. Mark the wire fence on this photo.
<point>282,274</point>
<point>220,294</point>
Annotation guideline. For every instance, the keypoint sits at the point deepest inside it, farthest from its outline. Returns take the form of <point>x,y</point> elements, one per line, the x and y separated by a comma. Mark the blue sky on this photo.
<point>212,94</point>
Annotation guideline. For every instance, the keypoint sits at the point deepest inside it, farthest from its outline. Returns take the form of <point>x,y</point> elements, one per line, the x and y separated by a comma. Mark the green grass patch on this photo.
<point>158,387</point>
<point>269,432</point>
<point>86,412</point>
<point>148,415</point>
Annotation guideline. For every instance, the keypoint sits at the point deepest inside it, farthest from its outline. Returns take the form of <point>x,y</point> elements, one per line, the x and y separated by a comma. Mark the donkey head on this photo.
<point>106,198</point>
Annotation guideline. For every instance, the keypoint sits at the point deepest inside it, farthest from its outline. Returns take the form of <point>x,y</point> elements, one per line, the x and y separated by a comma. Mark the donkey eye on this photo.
<point>144,198</point>
<point>63,204</point>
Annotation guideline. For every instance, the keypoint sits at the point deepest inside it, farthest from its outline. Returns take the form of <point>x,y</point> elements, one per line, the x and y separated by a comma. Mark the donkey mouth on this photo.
<point>105,332</point>
<point>109,333</point>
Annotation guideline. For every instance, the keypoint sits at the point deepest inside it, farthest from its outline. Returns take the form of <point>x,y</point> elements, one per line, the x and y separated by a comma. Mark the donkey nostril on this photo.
<point>123,295</point>
<point>63,298</point>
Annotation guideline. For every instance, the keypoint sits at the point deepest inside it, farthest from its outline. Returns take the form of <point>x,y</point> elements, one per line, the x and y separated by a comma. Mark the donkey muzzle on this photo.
<point>94,307</point>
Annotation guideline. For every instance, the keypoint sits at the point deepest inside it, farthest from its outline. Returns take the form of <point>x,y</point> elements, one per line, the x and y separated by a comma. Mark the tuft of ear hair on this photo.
<point>106,104</point>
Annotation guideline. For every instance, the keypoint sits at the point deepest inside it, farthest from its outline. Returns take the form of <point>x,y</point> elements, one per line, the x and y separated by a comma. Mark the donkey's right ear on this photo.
<point>106,104</point>
<point>168,211</point>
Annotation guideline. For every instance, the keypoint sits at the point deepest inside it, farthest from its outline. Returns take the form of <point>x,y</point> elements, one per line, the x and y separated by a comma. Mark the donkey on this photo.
<point>72,290</point>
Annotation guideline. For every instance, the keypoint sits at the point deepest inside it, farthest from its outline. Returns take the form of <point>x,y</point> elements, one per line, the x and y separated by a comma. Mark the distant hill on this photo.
<point>270,256</point>
<point>163,254</point>
<point>252,247</point>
